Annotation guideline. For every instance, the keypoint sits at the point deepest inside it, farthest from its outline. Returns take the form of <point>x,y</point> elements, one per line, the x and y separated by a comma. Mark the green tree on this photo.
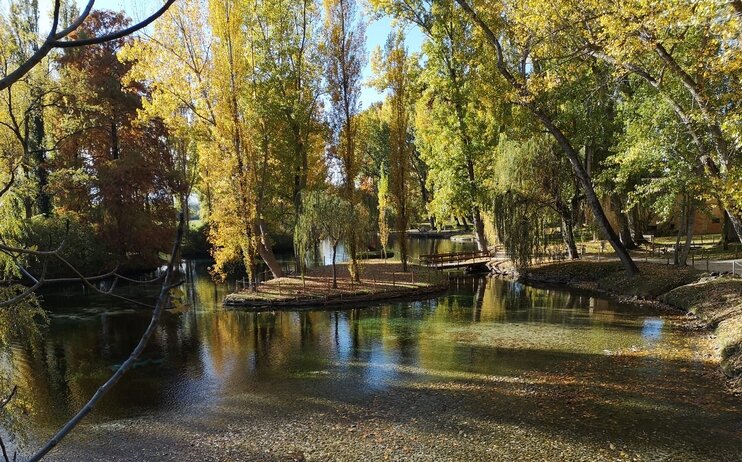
<point>687,53</point>
<point>512,65</point>
<point>450,133</point>
<point>25,101</point>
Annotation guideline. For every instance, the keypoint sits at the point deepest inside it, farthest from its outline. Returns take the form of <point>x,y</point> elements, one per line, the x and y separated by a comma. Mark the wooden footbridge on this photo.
<point>454,260</point>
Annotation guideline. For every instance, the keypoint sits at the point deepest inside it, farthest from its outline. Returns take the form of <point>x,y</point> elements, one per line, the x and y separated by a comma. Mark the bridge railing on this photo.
<point>454,257</point>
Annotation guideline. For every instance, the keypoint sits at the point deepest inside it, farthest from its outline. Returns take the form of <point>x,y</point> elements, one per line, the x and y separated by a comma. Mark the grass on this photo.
<point>655,279</point>
<point>703,247</point>
<point>701,239</point>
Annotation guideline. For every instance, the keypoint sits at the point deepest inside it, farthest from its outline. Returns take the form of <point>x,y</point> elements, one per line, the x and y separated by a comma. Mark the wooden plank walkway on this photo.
<point>455,259</point>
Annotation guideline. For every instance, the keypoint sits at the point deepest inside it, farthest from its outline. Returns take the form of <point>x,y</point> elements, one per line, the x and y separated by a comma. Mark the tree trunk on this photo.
<point>479,230</point>
<point>353,266</point>
<point>300,184</point>
<point>689,219</point>
<point>727,231</point>
<point>36,146</point>
<point>624,231</point>
<point>28,207</point>
<point>636,225</point>
<point>736,222</point>
<point>114,140</point>
<point>676,249</point>
<point>569,239</point>
<point>568,236</point>
<point>403,249</point>
<point>419,168</point>
<point>265,250</point>
<point>682,220</point>
<point>334,266</point>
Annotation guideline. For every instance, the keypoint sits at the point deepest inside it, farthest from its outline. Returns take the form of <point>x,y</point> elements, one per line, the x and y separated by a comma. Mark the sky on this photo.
<point>376,32</point>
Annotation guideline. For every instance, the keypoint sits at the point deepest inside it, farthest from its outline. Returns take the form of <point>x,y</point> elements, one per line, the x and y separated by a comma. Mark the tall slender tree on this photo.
<point>392,73</point>
<point>345,57</point>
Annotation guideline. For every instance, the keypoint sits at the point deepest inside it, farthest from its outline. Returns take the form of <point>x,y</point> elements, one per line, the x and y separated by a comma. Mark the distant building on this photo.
<point>708,220</point>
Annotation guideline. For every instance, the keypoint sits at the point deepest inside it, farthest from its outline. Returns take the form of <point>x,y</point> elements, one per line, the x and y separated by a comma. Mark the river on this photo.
<point>489,370</point>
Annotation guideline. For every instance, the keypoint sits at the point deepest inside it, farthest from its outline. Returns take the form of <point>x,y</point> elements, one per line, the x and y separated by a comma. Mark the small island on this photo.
<point>379,280</point>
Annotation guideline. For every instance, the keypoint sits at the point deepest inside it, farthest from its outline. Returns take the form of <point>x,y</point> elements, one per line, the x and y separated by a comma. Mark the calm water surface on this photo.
<point>600,366</point>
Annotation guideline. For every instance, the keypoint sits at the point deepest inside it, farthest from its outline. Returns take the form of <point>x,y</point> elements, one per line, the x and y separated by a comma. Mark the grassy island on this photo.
<point>379,280</point>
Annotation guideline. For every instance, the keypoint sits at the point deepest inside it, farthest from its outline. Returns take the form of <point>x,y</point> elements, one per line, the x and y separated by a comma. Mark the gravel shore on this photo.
<point>570,416</point>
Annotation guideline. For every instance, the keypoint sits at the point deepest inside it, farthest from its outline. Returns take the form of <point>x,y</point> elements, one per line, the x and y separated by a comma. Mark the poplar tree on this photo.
<point>345,56</point>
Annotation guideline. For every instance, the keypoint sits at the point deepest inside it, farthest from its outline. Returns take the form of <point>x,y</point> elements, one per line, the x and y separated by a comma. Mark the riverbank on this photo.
<point>380,280</point>
<point>715,300</point>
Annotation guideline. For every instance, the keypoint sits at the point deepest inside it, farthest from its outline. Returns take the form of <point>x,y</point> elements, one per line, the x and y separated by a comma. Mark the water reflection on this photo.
<point>415,248</point>
<point>652,329</point>
<point>483,327</point>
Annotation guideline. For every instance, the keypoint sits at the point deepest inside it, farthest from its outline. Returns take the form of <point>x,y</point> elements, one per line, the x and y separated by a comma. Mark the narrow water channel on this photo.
<point>489,370</point>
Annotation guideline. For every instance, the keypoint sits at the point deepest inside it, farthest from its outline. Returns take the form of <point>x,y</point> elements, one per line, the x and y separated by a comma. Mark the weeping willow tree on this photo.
<point>327,216</point>
<point>520,225</point>
<point>535,192</point>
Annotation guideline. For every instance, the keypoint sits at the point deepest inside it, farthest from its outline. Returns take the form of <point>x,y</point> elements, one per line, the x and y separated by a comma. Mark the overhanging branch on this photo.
<point>58,39</point>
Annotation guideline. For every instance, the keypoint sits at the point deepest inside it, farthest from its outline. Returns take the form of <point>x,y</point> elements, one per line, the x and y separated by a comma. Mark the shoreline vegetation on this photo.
<point>715,300</point>
<point>380,280</point>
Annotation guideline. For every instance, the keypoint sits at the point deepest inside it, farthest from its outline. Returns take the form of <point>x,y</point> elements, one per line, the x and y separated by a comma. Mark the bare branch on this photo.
<point>29,290</point>
<point>115,35</point>
<point>2,405</point>
<point>56,39</point>
<point>77,22</point>
<point>10,182</point>
<point>9,397</point>
<point>163,301</point>
<point>5,452</point>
